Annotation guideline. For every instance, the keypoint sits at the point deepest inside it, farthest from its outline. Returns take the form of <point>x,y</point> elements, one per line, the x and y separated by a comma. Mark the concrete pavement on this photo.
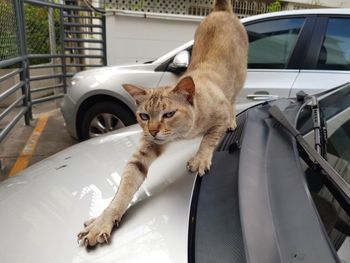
<point>26,145</point>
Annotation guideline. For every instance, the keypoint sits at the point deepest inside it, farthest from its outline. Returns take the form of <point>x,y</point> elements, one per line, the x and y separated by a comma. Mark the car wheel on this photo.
<point>104,117</point>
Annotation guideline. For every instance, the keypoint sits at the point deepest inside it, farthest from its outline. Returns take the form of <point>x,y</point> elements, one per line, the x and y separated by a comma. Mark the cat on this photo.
<point>200,104</point>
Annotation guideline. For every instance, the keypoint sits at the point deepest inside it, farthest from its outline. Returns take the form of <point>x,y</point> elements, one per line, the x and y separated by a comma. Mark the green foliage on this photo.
<point>274,6</point>
<point>138,5</point>
<point>8,31</point>
<point>36,30</point>
<point>316,4</point>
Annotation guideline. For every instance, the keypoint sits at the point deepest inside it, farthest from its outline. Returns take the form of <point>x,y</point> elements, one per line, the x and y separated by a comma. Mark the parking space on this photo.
<point>27,145</point>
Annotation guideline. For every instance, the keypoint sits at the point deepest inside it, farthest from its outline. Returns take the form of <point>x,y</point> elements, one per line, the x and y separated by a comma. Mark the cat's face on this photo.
<point>165,114</point>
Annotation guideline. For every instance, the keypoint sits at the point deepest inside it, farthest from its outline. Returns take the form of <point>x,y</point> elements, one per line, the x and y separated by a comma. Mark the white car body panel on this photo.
<point>321,11</point>
<point>168,78</point>
<point>321,80</point>
<point>259,81</point>
<point>50,200</point>
<point>111,79</point>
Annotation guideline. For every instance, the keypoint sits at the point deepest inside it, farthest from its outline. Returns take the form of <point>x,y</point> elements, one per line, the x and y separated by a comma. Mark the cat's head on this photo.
<point>164,113</point>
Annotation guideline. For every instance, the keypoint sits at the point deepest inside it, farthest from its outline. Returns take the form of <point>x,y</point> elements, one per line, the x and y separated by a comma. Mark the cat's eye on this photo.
<point>169,114</point>
<point>144,116</point>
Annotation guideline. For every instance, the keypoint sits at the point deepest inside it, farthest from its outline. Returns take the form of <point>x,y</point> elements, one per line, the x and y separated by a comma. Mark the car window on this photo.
<point>335,50</point>
<point>272,42</point>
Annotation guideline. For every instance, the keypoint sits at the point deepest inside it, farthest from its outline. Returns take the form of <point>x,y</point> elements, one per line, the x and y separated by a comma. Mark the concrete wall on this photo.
<point>134,37</point>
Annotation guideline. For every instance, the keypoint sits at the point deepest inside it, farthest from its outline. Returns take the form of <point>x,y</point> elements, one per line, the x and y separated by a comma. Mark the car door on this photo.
<point>327,63</point>
<point>271,48</point>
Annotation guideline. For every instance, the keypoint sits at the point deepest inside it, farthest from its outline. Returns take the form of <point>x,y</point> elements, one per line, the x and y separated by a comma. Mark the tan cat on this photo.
<point>201,103</point>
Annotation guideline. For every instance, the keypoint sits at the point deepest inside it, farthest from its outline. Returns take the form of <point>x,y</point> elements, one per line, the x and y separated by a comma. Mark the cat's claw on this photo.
<point>106,237</point>
<point>86,242</point>
<point>96,231</point>
<point>199,165</point>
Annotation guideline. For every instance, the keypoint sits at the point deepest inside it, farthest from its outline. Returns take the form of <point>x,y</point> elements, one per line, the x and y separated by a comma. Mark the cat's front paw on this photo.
<point>232,125</point>
<point>97,230</point>
<point>199,164</point>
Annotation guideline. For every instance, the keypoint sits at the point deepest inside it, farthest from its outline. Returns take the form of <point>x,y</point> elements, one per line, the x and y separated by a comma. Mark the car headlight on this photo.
<point>74,80</point>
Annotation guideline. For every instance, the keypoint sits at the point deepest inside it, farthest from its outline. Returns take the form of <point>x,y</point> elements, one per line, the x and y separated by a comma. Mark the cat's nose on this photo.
<point>153,132</point>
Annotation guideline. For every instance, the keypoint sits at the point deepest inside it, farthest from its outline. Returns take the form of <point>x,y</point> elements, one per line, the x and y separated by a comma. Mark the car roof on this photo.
<point>319,11</point>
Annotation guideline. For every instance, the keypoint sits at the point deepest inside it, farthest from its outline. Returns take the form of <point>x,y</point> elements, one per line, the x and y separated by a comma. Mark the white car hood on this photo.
<point>43,209</point>
<point>114,69</point>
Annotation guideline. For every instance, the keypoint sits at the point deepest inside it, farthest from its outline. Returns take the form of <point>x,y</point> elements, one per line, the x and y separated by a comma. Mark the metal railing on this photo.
<point>22,71</point>
<point>40,70</point>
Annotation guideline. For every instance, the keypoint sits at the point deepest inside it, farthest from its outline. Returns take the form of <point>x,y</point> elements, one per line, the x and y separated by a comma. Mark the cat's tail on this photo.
<point>223,5</point>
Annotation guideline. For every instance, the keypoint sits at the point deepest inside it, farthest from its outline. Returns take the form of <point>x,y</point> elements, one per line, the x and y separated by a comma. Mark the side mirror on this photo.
<point>180,62</point>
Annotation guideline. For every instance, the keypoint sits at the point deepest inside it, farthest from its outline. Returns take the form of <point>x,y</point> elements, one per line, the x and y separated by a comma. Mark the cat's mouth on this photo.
<point>159,141</point>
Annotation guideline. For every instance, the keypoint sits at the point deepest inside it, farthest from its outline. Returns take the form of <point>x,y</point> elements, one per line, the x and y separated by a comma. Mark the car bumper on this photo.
<point>68,109</point>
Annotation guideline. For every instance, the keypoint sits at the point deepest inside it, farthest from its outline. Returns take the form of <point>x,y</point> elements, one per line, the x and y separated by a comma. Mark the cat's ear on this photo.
<point>136,92</point>
<point>186,87</point>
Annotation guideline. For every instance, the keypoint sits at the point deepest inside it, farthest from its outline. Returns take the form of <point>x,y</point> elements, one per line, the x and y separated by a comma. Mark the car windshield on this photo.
<point>335,111</point>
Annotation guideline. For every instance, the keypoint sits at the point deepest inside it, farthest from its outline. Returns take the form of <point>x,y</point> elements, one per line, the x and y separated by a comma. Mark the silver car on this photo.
<point>264,200</point>
<point>288,51</point>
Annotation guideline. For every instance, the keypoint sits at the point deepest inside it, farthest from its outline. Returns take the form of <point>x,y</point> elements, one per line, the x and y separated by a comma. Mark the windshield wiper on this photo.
<point>319,127</point>
<point>336,184</point>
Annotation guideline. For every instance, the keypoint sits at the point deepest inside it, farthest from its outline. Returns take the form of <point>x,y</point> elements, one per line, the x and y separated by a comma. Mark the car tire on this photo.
<point>105,117</point>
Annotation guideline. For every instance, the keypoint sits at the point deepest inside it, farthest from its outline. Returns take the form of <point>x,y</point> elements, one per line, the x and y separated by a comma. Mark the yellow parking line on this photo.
<point>28,150</point>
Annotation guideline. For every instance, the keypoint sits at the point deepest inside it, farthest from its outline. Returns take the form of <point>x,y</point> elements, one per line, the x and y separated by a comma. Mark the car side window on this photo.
<point>271,43</point>
<point>335,50</point>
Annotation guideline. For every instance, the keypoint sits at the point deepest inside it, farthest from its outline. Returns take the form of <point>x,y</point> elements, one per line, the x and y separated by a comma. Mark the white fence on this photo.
<point>185,7</point>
